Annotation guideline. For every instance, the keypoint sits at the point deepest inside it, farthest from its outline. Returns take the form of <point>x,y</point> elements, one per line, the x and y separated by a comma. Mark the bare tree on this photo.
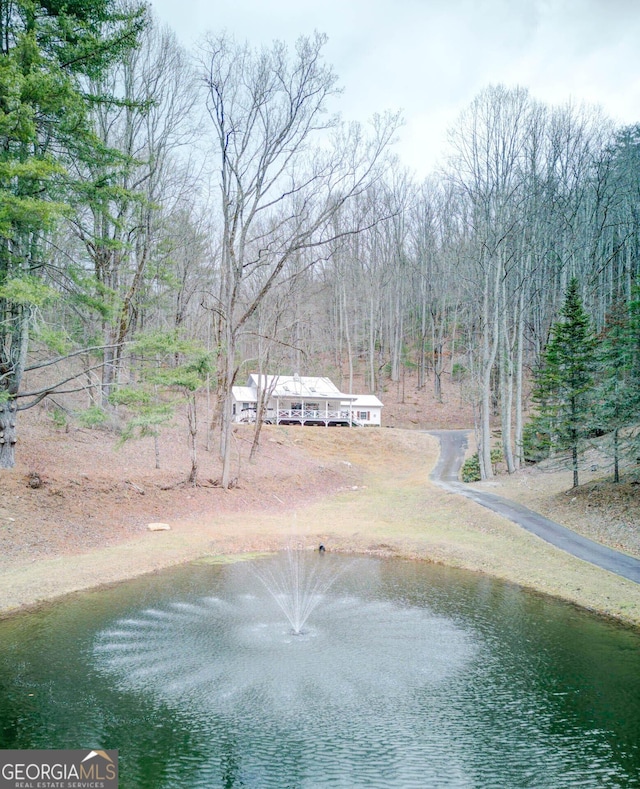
<point>488,147</point>
<point>436,247</point>
<point>147,120</point>
<point>285,169</point>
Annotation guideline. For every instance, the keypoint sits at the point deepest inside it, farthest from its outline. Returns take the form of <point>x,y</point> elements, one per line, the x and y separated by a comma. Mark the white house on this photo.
<point>367,410</point>
<point>298,400</point>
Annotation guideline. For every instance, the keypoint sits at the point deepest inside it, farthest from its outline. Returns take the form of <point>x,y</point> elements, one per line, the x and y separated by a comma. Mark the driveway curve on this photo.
<point>453,444</point>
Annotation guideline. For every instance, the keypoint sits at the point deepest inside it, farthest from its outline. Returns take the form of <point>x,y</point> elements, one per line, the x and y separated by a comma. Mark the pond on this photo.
<point>404,675</point>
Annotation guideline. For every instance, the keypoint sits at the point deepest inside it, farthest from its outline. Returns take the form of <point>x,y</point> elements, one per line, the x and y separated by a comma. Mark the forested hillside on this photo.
<point>172,221</point>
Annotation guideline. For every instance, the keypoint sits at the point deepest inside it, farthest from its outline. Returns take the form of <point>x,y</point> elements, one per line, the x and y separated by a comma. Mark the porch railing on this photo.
<point>298,414</point>
<point>319,414</point>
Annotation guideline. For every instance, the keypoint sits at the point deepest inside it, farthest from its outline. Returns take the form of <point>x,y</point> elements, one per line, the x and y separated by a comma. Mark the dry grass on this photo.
<point>599,508</point>
<point>361,491</point>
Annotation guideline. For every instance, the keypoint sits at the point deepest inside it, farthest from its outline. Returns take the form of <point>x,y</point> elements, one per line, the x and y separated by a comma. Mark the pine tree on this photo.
<point>564,385</point>
<point>617,396</point>
<point>633,344</point>
<point>47,52</point>
<point>170,364</point>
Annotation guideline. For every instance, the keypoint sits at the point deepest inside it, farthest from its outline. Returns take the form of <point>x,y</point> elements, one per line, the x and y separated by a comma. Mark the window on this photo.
<point>364,415</point>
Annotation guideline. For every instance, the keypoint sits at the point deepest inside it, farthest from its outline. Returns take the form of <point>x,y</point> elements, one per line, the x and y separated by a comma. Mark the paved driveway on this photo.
<point>453,444</point>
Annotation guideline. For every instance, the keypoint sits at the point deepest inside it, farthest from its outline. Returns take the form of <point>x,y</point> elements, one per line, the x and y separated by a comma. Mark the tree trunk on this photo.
<point>506,387</point>
<point>108,371</point>
<point>519,455</point>
<point>8,433</point>
<point>422,359</point>
<point>574,442</point>
<point>373,383</point>
<point>226,410</point>
<point>489,351</point>
<point>263,396</point>
<point>347,336</point>
<point>192,419</point>
<point>13,360</point>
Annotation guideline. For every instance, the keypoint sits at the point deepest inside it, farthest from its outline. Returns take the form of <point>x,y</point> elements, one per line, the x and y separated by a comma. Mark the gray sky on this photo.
<point>430,58</point>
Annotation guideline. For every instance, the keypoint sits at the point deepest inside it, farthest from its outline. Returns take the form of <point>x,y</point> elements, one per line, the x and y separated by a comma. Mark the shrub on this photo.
<point>535,443</point>
<point>471,469</point>
<point>496,457</point>
<point>471,466</point>
<point>59,417</point>
<point>93,417</point>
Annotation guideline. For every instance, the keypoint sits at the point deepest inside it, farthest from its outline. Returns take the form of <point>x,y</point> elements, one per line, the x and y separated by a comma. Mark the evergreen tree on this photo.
<point>47,52</point>
<point>564,385</point>
<point>617,396</point>
<point>170,363</point>
<point>633,345</point>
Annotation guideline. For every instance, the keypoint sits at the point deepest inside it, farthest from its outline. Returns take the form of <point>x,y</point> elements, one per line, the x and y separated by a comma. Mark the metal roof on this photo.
<point>307,387</point>
<point>369,401</point>
<point>245,394</point>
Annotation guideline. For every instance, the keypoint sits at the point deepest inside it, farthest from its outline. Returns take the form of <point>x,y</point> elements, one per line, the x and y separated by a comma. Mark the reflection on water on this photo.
<point>407,675</point>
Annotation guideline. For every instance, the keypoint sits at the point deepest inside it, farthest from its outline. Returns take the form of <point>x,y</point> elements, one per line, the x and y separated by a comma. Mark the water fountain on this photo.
<point>234,650</point>
<point>298,581</point>
<point>401,674</point>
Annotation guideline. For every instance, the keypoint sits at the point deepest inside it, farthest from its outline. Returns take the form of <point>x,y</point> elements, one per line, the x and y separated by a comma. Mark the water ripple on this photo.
<point>374,693</point>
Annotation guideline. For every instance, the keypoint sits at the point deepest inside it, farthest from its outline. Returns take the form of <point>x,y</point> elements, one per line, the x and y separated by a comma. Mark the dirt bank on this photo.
<point>363,491</point>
